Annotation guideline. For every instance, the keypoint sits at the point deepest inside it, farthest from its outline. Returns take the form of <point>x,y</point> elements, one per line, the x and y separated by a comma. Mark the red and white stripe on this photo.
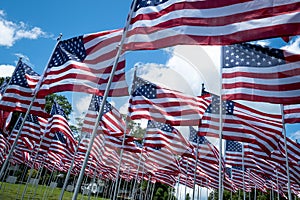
<point>215,22</point>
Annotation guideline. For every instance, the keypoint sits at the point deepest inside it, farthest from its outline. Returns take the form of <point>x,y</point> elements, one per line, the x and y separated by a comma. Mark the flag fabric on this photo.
<point>163,135</point>
<point>207,152</point>
<point>242,123</point>
<point>19,92</point>
<point>255,73</point>
<point>84,64</point>
<point>111,123</point>
<point>158,24</point>
<point>291,113</point>
<point>3,87</point>
<point>152,102</point>
<point>58,123</point>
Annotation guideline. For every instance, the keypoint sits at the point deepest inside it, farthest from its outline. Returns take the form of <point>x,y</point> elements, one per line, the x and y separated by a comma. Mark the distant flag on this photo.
<point>242,123</point>
<point>58,123</point>
<point>158,24</point>
<point>84,64</point>
<point>19,92</point>
<point>3,87</point>
<point>111,123</point>
<point>263,74</point>
<point>152,102</point>
<point>291,113</point>
<point>207,152</point>
<point>163,135</point>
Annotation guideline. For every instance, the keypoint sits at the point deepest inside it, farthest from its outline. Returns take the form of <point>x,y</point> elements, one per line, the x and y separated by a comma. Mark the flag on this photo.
<point>3,86</point>
<point>58,123</point>
<point>291,113</point>
<point>263,74</point>
<point>207,152</point>
<point>19,92</point>
<point>84,64</point>
<point>158,24</point>
<point>111,122</point>
<point>163,135</point>
<point>152,102</point>
<point>242,123</point>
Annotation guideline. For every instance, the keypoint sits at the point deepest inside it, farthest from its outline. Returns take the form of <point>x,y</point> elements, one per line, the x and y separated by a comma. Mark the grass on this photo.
<point>14,191</point>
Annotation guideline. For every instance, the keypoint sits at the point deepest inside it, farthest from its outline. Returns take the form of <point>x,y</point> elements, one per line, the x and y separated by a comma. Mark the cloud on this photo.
<point>10,31</point>
<point>6,70</point>
<point>293,46</point>
<point>295,135</point>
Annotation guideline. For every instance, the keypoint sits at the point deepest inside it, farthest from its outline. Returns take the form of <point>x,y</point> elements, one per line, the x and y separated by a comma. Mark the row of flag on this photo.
<point>249,72</point>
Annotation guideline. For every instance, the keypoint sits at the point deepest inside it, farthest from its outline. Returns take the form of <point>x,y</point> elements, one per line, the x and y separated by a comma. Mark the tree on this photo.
<point>61,100</point>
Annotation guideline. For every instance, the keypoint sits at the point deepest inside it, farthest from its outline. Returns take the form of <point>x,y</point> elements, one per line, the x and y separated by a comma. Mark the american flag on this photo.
<point>242,123</point>
<point>233,152</point>
<point>3,87</point>
<point>111,123</point>
<point>19,92</point>
<point>84,64</point>
<point>255,73</point>
<point>163,23</point>
<point>207,152</point>
<point>163,135</point>
<point>152,102</point>
<point>58,123</point>
<point>291,113</point>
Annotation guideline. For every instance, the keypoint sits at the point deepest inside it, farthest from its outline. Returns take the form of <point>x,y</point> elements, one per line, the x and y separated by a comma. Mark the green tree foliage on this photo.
<point>61,100</point>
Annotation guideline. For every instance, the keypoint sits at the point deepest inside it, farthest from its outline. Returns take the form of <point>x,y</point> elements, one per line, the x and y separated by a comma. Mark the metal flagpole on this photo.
<point>220,129</point>
<point>136,176</point>
<point>194,183</point>
<point>149,180</point>
<point>286,155</point>
<point>81,174</point>
<point>27,113</point>
<point>243,168</point>
<point>69,171</point>
<point>177,195</point>
<point>152,192</point>
<point>120,162</point>
<point>255,192</point>
<point>277,184</point>
<point>187,164</point>
<point>142,180</point>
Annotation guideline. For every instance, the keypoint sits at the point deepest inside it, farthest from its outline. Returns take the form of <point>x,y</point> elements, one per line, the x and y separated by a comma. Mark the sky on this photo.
<point>29,29</point>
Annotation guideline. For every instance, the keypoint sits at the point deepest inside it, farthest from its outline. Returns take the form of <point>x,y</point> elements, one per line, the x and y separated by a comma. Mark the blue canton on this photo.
<point>144,88</point>
<point>251,56</point>
<point>19,77</point>
<point>233,146</point>
<point>147,3</point>
<point>71,49</point>
<point>57,110</point>
<point>96,102</point>
<point>214,107</point>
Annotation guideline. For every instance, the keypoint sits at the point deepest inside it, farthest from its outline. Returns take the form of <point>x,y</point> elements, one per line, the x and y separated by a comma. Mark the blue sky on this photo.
<point>29,29</point>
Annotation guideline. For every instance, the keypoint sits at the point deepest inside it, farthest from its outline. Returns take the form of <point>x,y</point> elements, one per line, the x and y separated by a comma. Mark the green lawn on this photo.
<point>14,191</point>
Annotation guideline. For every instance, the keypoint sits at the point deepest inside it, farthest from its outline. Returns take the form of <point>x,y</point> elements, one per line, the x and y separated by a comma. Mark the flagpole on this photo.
<point>220,128</point>
<point>27,112</point>
<point>120,161</point>
<point>286,155</point>
<point>277,184</point>
<point>81,174</point>
<point>243,168</point>
<point>194,183</point>
<point>69,172</point>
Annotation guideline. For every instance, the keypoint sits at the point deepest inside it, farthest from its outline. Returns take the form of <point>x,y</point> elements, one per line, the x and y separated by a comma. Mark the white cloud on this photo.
<point>295,135</point>
<point>293,46</point>
<point>6,70</point>
<point>10,31</point>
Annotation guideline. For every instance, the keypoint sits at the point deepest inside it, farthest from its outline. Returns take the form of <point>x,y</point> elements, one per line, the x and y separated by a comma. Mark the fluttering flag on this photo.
<point>255,73</point>
<point>152,102</point>
<point>19,93</point>
<point>111,122</point>
<point>242,123</point>
<point>84,64</point>
<point>158,24</point>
